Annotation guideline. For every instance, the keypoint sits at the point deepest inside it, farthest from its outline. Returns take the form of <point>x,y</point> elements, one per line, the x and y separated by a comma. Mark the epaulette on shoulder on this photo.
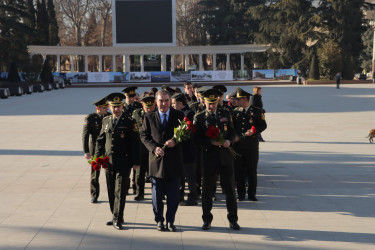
<point>240,109</point>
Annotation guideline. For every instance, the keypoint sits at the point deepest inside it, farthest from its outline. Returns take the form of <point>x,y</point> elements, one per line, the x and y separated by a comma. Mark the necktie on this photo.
<point>164,120</point>
<point>114,122</point>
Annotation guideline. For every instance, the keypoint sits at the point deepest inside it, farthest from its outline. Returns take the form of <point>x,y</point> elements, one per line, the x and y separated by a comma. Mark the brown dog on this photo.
<point>371,135</point>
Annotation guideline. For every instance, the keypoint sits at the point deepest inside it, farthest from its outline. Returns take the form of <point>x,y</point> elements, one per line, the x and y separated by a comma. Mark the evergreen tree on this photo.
<point>330,59</point>
<point>218,18</point>
<point>344,21</point>
<point>13,75</point>
<point>42,23</point>
<point>46,75</point>
<point>287,25</point>
<point>31,21</point>
<point>314,68</point>
<point>12,32</point>
<point>365,57</point>
<point>53,26</point>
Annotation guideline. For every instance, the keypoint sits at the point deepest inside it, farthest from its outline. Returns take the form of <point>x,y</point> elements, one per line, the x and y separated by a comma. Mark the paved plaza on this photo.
<point>316,178</point>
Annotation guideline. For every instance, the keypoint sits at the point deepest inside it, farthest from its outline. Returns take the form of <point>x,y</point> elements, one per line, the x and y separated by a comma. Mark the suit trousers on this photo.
<point>246,167</point>
<point>214,161</point>
<point>169,187</point>
<point>94,183</point>
<point>117,183</point>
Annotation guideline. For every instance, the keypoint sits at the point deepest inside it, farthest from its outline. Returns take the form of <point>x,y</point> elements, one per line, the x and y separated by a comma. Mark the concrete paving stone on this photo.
<point>316,185</point>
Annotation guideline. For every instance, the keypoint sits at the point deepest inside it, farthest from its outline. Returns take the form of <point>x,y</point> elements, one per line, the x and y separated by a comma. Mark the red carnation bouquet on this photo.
<point>252,130</point>
<point>216,135</point>
<point>183,132</point>
<point>99,162</point>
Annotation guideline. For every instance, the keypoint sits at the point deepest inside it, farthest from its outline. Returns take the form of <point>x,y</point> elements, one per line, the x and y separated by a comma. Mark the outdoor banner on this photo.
<point>77,77</point>
<point>202,75</point>
<point>285,74</point>
<point>180,76</point>
<point>223,75</point>
<point>263,74</point>
<point>140,77</point>
<point>118,77</point>
<point>241,75</point>
<point>161,76</point>
<point>98,77</point>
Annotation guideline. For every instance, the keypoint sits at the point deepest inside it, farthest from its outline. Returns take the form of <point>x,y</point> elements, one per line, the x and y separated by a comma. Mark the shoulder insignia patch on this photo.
<point>135,128</point>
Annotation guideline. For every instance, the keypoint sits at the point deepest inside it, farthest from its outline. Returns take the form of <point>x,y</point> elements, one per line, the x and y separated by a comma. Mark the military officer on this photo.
<point>119,140</point>
<point>247,144</point>
<point>216,157</point>
<point>129,106</point>
<point>130,103</point>
<point>189,155</point>
<point>91,130</point>
<point>199,106</point>
<point>222,104</point>
<point>148,103</point>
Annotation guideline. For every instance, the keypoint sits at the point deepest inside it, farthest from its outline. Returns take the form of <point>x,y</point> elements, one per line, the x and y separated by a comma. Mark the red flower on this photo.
<point>192,128</point>
<point>253,130</point>
<point>189,123</point>
<point>105,166</point>
<point>106,159</point>
<point>99,161</point>
<point>186,119</point>
<point>212,132</point>
<point>95,166</point>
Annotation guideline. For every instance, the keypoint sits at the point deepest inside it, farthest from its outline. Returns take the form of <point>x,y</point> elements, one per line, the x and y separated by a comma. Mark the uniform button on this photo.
<point>126,155</point>
<point>243,123</point>
<point>112,152</point>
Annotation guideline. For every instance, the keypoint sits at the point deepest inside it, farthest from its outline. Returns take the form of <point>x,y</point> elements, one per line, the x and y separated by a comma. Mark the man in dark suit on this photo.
<point>216,157</point>
<point>189,153</point>
<point>119,140</point>
<point>164,158</point>
<point>91,130</point>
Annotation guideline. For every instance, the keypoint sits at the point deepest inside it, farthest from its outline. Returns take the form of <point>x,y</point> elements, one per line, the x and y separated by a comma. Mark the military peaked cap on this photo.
<point>130,91</point>
<point>211,95</point>
<point>115,99</point>
<point>101,102</point>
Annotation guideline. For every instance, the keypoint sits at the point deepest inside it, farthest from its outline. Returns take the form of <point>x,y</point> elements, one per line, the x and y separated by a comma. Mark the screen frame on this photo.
<point>114,28</point>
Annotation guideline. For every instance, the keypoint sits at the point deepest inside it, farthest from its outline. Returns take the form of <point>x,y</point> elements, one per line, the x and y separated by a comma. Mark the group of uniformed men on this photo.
<point>139,135</point>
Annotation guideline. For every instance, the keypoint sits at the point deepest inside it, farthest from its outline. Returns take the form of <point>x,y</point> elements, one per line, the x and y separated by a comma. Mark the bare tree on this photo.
<point>189,30</point>
<point>76,13</point>
<point>104,8</point>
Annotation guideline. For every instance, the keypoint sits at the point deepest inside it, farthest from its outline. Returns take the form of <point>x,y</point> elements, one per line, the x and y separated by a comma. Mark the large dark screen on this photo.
<point>144,21</point>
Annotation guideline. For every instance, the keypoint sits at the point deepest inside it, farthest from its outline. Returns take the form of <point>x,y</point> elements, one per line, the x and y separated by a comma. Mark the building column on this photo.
<point>142,60</point>
<point>100,63</point>
<point>186,62</point>
<point>172,63</point>
<point>228,62</point>
<point>242,61</point>
<point>163,62</point>
<point>127,63</point>
<point>86,63</point>
<point>58,62</point>
<point>71,63</point>
<point>200,63</point>
<point>113,63</point>
<point>214,62</point>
